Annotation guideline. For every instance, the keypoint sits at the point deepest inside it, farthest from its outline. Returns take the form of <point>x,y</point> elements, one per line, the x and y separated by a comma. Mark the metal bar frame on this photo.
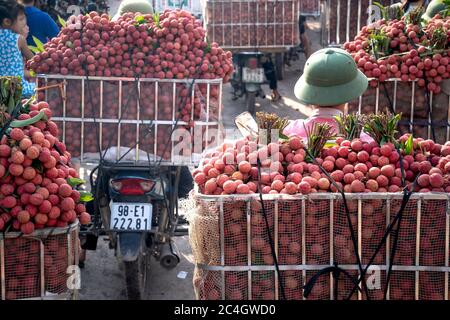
<point>304,267</point>
<point>303,243</point>
<point>138,121</point>
<point>388,244</point>
<point>360,243</point>
<point>249,250</point>
<point>2,269</point>
<point>332,297</point>
<point>42,267</point>
<point>418,225</point>
<point>276,215</point>
<point>447,249</point>
<point>222,250</point>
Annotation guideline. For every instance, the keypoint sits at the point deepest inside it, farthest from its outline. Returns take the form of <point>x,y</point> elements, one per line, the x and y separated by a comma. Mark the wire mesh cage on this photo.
<point>342,19</point>
<point>310,7</point>
<point>424,115</point>
<point>171,121</point>
<point>37,266</point>
<point>230,243</point>
<point>192,6</point>
<point>251,24</point>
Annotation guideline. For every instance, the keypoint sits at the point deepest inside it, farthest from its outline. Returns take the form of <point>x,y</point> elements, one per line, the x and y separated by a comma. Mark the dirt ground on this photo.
<point>102,278</point>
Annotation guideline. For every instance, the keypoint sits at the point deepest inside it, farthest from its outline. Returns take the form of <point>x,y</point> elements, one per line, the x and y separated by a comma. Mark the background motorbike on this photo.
<point>248,77</point>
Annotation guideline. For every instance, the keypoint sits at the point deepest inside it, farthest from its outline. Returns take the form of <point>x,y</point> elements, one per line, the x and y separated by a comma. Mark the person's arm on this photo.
<point>52,29</point>
<point>26,52</point>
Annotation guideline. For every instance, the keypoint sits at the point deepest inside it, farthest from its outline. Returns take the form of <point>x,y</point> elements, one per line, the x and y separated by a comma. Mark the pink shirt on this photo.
<point>320,115</point>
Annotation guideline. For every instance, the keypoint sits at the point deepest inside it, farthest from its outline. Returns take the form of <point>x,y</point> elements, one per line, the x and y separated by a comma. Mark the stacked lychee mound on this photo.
<point>352,166</point>
<point>170,45</point>
<point>405,50</point>
<point>37,182</point>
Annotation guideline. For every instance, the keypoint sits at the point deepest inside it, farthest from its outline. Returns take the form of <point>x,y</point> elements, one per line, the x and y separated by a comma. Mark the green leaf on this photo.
<point>34,49</point>
<point>23,123</point>
<point>73,182</point>
<point>283,136</point>
<point>208,48</point>
<point>156,19</point>
<point>409,145</point>
<point>11,104</point>
<point>140,19</point>
<point>39,44</point>
<point>86,196</point>
<point>61,21</point>
<point>38,166</point>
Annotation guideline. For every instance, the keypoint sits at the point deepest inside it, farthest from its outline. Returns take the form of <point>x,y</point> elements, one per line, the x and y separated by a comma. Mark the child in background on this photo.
<point>13,44</point>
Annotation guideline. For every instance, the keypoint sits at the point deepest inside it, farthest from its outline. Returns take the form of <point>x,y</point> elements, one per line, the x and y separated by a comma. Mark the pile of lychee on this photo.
<point>351,166</point>
<point>35,177</point>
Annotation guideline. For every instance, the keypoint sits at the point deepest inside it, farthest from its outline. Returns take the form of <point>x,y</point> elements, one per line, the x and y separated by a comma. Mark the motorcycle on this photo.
<point>137,207</point>
<point>248,77</point>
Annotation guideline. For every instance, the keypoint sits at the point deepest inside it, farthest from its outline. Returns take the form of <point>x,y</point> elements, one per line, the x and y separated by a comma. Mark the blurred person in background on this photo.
<point>433,8</point>
<point>271,75</point>
<point>141,6</point>
<point>40,23</point>
<point>303,37</point>
<point>292,54</point>
<point>13,45</point>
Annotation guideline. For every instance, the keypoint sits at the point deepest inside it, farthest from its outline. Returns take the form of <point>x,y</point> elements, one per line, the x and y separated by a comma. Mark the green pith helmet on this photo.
<point>142,6</point>
<point>330,78</point>
<point>433,8</point>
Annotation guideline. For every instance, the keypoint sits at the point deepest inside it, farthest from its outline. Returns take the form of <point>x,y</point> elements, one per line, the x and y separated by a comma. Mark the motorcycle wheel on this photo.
<point>250,99</point>
<point>137,275</point>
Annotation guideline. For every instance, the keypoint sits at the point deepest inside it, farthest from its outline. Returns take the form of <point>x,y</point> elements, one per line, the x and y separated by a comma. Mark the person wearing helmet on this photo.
<point>434,8</point>
<point>141,6</point>
<point>330,80</point>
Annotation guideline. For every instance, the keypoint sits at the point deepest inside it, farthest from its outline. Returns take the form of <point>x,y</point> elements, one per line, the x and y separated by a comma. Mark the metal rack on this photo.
<point>221,203</point>
<point>200,134</point>
<point>254,10</point>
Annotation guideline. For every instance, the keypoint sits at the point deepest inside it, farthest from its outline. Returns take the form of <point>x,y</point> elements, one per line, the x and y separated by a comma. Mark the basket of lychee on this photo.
<point>376,163</point>
<point>38,186</point>
<point>404,49</point>
<point>40,204</point>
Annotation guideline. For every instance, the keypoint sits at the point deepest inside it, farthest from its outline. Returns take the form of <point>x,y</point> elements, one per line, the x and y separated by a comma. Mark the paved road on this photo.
<point>102,277</point>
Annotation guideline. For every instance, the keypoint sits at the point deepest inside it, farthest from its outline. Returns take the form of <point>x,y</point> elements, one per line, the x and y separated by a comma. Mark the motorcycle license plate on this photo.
<point>131,216</point>
<point>253,75</point>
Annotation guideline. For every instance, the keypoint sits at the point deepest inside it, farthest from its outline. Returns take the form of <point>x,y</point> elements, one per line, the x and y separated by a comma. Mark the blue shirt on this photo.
<point>41,25</point>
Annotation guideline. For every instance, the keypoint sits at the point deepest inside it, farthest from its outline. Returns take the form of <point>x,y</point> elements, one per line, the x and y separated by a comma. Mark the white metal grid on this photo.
<point>344,18</point>
<point>310,7</point>
<point>387,198</point>
<point>271,8</point>
<point>412,121</point>
<point>211,120</point>
<point>71,232</point>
